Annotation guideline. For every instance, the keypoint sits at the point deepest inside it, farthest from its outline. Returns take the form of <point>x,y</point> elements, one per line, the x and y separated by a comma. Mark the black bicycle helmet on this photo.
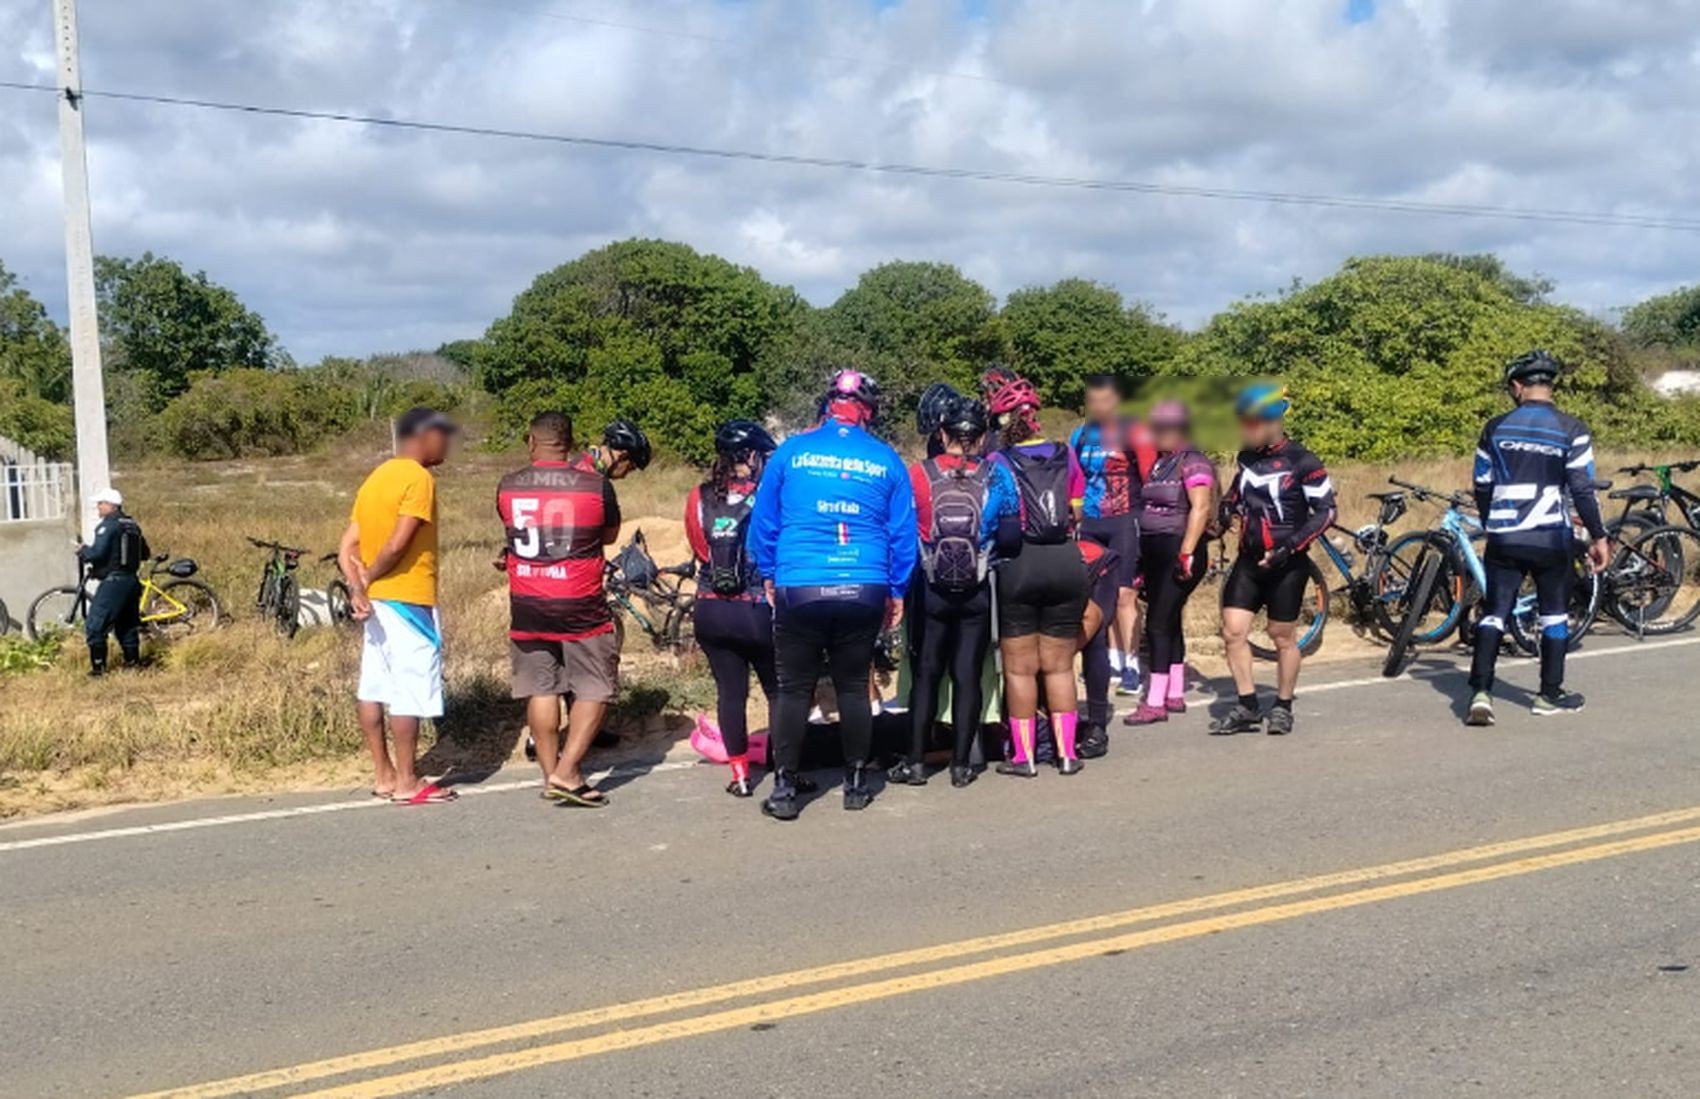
<point>626,436</point>
<point>739,437</point>
<point>966,420</point>
<point>1536,367</point>
<point>851,384</point>
<point>937,402</point>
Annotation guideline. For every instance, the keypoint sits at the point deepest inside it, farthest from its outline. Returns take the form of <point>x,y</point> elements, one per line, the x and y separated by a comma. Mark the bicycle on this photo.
<point>176,608</point>
<point>279,596</point>
<point>5,619</point>
<point>339,598</point>
<point>1651,587</point>
<point>1450,580</point>
<point>1648,506</point>
<point>652,596</point>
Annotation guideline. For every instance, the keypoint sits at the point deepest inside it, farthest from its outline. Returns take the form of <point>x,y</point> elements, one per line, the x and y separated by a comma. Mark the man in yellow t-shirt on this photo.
<point>389,554</point>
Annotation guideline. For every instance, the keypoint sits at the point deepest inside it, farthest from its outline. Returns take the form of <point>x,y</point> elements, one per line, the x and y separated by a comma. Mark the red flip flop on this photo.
<point>428,794</point>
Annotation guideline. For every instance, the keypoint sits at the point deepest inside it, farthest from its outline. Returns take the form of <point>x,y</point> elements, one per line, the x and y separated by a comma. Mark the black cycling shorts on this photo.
<point>1121,534</point>
<point>1042,590</point>
<point>1280,591</point>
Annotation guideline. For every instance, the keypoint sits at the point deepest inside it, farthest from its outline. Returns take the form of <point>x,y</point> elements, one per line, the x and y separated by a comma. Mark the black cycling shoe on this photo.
<point>803,784</point>
<point>781,804</point>
<point>1066,766</point>
<point>1240,719</point>
<point>1280,721</point>
<point>1019,770</point>
<point>740,788</point>
<point>856,792</point>
<point>906,774</point>
<point>961,775</point>
<point>1094,743</point>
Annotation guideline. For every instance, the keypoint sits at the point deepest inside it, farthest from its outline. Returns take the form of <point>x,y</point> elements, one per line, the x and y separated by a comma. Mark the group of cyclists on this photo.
<point>1004,556</point>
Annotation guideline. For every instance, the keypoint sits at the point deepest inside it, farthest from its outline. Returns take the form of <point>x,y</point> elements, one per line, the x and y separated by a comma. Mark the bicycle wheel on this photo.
<point>1657,589</point>
<point>680,628</point>
<point>288,609</point>
<point>1429,568</point>
<point>5,620</point>
<point>266,598</point>
<point>180,608</point>
<point>1393,584</point>
<point>339,603</point>
<point>1313,618</point>
<point>56,610</point>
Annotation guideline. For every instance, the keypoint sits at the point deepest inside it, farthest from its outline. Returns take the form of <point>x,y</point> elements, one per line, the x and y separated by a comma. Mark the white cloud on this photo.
<point>352,240</point>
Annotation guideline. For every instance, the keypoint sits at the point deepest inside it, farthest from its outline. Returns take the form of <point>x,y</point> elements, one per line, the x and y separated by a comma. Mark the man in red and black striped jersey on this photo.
<point>559,515</point>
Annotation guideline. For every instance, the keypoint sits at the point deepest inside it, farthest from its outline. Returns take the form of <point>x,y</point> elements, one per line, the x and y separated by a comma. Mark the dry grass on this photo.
<point>242,709</point>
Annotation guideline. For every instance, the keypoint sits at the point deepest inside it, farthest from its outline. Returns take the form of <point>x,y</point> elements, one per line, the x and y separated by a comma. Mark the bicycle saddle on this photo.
<point>1601,486</point>
<point>1636,492</point>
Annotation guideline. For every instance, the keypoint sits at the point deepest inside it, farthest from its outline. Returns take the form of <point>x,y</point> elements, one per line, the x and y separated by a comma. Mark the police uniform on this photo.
<point>115,559</point>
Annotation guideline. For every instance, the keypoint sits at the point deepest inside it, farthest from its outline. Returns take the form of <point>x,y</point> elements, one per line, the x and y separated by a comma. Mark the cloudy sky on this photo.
<point>352,240</point>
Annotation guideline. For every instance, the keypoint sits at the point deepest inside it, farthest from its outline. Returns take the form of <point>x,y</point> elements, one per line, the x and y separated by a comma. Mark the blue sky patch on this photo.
<point>1360,11</point>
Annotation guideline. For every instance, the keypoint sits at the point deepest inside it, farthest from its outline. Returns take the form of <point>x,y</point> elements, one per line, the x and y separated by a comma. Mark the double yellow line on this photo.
<point>1418,876</point>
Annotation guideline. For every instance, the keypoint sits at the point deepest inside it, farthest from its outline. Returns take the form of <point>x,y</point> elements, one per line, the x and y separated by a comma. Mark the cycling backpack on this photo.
<point>634,564</point>
<point>953,559</point>
<point>1043,482</point>
<point>724,526</point>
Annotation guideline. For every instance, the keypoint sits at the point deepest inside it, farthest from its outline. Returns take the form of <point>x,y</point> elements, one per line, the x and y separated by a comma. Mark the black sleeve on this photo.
<point>610,506</point>
<point>1318,489</point>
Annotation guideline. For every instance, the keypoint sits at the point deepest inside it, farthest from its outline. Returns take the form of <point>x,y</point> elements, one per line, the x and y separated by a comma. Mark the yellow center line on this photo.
<point>862,967</point>
<point>500,1064</point>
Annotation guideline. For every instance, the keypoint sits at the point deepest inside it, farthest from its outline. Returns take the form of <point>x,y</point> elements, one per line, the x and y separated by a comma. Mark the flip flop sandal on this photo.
<point>578,796</point>
<point>428,794</point>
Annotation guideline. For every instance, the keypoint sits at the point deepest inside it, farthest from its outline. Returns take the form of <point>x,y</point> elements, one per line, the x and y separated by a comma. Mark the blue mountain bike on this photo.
<point>1449,581</point>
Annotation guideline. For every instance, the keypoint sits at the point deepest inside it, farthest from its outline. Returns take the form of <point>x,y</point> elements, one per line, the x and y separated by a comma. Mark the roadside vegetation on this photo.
<point>219,434</point>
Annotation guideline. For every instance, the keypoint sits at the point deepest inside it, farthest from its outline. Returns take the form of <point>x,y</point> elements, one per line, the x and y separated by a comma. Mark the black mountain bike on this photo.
<point>279,597</point>
<point>1649,506</point>
<point>653,596</point>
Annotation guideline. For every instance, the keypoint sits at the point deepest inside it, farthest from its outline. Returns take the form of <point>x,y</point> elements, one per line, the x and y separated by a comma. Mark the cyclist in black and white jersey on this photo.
<point>1533,465</point>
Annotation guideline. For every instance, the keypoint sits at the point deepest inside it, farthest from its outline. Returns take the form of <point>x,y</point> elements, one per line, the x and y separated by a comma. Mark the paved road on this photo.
<point>1538,931</point>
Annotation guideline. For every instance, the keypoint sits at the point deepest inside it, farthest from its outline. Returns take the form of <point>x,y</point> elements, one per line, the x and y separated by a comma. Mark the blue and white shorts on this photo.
<point>401,659</point>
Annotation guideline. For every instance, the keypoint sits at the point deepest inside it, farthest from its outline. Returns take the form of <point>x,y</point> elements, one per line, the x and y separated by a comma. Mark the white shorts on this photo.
<point>401,660</point>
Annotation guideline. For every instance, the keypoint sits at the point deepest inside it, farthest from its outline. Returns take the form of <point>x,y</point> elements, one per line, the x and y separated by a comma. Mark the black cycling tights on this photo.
<point>1166,595</point>
<point>950,636</point>
<point>736,635</point>
<point>835,634</point>
<point>1506,566</point>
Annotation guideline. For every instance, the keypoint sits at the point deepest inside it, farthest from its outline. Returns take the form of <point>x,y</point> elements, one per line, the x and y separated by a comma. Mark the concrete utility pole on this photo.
<point>88,385</point>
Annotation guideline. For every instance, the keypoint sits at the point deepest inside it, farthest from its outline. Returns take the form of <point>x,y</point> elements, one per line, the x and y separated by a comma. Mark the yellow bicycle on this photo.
<point>175,607</point>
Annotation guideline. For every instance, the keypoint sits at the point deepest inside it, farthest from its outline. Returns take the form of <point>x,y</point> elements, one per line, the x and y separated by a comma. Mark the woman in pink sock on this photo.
<point>1041,586</point>
<point>1179,499</point>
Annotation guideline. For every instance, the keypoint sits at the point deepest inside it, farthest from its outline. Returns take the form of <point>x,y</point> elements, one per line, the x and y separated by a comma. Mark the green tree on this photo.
<point>649,329</point>
<point>1669,320</point>
<point>158,320</point>
<point>1075,328</point>
<point>41,425</point>
<point>33,351</point>
<point>1402,356</point>
<point>912,324</point>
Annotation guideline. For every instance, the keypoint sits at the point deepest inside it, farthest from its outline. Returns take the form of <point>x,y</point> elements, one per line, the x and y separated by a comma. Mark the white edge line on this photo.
<point>620,769</point>
<point>306,810</point>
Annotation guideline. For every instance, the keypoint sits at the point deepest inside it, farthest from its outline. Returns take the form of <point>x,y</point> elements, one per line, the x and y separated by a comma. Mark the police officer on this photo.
<point>1533,466</point>
<point>114,558</point>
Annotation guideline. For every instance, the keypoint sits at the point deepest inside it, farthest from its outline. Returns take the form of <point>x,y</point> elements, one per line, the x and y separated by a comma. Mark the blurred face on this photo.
<point>431,447</point>
<point>103,510</point>
<point>1102,404</point>
<point>1255,432</point>
<point>619,465</point>
<point>1168,437</point>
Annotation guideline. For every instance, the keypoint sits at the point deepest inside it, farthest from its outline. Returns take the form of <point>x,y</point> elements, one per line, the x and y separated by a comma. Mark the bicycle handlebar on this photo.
<point>260,543</point>
<point>1680,467</point>
<point>1454,499</point>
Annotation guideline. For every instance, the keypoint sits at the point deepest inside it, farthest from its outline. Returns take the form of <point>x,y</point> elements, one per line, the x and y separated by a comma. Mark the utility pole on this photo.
<point>88,386</point>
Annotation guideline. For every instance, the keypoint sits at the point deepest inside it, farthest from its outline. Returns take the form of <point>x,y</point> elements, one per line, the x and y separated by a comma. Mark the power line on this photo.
<point>982,175</point>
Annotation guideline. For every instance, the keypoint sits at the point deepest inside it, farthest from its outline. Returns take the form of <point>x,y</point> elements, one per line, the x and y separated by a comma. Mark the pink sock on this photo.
<point>1021,731</point>
<point>1177,682</point>
<point>1064,724</point>
<point>1158,689</point>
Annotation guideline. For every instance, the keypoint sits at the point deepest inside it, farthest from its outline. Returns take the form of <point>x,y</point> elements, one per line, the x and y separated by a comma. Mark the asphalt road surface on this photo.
<point>1385,903</point>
